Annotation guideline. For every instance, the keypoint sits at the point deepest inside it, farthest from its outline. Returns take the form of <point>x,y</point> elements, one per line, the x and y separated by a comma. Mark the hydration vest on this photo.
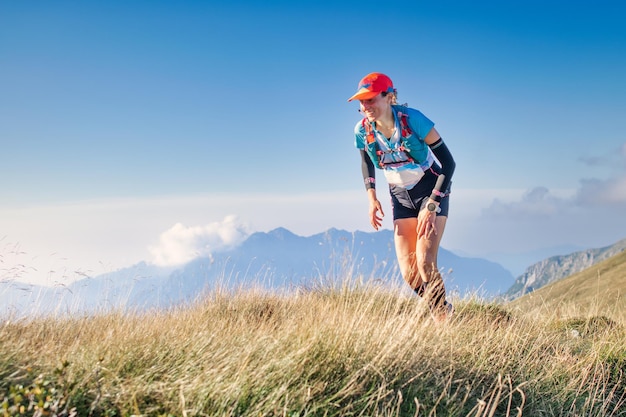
<point>415,149</point>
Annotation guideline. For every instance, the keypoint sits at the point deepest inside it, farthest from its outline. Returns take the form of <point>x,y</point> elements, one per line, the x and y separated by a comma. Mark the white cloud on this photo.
<point>181,244</point>
<point>592,194</point>
<point>614,159</point>
<point>590,216</point>
<point>610,192</point>
<point>535,202</point>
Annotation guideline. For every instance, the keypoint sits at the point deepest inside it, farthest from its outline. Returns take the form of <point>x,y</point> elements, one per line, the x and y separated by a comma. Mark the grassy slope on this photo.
<point>598,290</point>
<point>325,352</point>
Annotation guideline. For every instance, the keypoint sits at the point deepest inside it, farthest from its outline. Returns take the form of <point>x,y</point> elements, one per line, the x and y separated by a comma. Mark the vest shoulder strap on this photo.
<point>404,122</point>
<point>369,131</point>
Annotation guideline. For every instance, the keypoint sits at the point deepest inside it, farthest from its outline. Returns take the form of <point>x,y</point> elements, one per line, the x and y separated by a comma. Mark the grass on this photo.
<point>331,350</point>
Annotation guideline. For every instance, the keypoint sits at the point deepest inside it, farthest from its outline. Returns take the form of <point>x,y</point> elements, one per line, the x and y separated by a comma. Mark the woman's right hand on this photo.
<point>376,220</point>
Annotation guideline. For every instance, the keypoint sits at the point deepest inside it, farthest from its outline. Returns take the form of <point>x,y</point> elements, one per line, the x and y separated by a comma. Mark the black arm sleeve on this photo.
<point>368,170</point>
<point>448,165</point>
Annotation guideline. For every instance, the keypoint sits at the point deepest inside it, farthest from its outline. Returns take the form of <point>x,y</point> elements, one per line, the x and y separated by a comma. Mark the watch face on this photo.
<point>432,207</point>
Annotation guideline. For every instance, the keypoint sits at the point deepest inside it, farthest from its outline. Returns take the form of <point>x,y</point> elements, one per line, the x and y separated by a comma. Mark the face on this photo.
<point>376,107</point>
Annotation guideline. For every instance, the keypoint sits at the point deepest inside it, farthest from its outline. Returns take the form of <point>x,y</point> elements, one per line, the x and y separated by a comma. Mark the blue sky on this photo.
<point>153,130</point>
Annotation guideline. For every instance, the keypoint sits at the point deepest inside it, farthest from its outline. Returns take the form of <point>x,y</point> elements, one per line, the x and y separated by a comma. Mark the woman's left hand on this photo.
<point>426,224</point>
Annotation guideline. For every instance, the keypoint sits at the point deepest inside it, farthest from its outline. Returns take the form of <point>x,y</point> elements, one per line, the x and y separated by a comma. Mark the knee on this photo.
<point>407,260</point>
<point>409,269</point>
<point>427,265</point>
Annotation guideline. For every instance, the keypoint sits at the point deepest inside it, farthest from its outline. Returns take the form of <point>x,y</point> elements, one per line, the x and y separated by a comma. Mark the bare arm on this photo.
<point>369,178</point>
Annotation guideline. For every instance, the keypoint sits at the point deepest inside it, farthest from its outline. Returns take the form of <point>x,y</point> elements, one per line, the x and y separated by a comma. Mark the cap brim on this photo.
<point>363,94</point>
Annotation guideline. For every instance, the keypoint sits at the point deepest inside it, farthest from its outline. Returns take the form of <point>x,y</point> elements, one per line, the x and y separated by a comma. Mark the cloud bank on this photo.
<point>181,244</point>
<point>592,194</point>
<point>610,191</point>
<point>592,215</point>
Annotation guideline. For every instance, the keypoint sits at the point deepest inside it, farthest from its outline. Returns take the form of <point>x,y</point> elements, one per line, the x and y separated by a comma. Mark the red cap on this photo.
<point>371,85</point>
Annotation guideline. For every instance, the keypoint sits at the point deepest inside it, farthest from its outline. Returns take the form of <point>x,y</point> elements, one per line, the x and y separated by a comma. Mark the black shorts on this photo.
<point>406,204</point>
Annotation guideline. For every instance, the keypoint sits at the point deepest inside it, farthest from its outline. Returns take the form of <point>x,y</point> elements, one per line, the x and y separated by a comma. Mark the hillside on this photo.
<point>599,290</point>
<point>557,267</point>
<point>331,351</point>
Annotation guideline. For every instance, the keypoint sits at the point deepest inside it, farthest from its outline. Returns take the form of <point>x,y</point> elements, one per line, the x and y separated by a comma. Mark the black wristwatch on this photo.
<point>432,207</point>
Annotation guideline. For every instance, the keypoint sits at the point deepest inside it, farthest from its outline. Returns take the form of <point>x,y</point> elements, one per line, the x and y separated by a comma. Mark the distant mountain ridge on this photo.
<point>282,259</point>
<point>556,268</point>
<point>595,291</point>
<point>278,259</point>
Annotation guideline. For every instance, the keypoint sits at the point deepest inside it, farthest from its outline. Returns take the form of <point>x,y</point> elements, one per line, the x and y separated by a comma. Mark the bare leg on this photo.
<point>418,259</point>
<point>426,253</point>
<point>405,240</point>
